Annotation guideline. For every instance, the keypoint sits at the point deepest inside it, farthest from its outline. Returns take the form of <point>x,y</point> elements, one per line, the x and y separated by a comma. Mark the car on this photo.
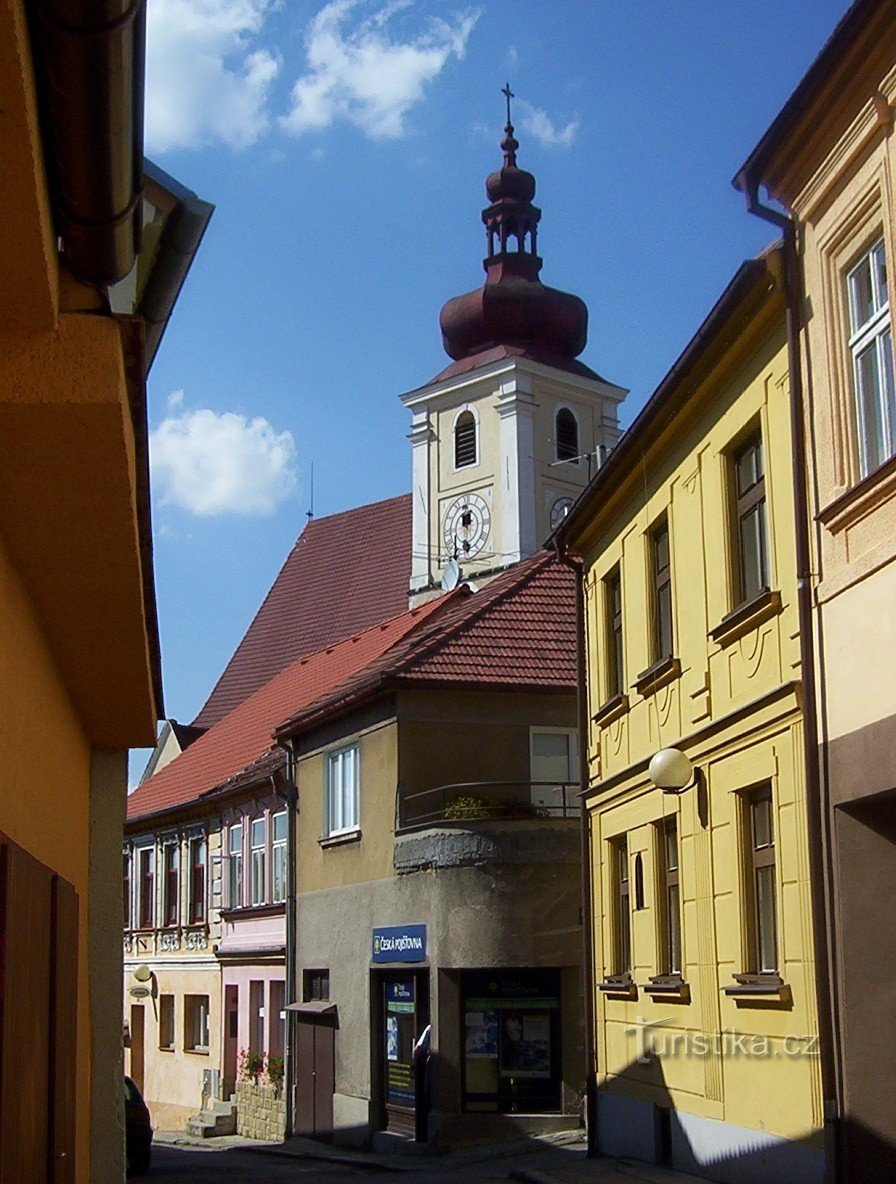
<point>138,1129</point>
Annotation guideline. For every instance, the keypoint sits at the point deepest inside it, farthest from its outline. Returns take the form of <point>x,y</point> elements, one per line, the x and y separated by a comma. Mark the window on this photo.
<point>166,1021</point>
<point>342,791</point>
<point>278,855</point>
<point>613,602</point>
<point>871,347</point>
<point>661,574</point>
<point>670,911</point>
<point>235,866</point>
<point>171,853</point>
<point>147,865</point>
<point>126,888</point>
<point>198,860</point>
<point>256,1016</point>
<point>259,842</point>
<point>760,893</point>
<point>566,436</point>
<point>196,1024</point>
<point>316,986</point>
<point>277,1019</point>
<point>752,547</point>
<point>622,937</point>
<point>465,440</point>
<point>554,768</point>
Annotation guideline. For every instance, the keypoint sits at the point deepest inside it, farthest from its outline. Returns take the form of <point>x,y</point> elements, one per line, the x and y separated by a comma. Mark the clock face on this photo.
<point>559,510</point>
<point>467,524</point>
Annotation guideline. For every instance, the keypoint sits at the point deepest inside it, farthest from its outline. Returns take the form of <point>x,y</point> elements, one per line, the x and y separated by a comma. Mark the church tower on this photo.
<point>505,437</point>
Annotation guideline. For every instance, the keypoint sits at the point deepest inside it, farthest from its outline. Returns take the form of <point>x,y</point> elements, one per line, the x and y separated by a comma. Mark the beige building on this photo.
<point>704,1009</point>
<point>830,159</point>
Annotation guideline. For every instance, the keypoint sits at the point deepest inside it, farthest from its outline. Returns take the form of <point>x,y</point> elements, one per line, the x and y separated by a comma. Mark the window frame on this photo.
<point>235,885</point>
<point>874,336</point>
<point>316,985</point>
<point>660,583</point>
<point>622,912</point>
<point>758,858</point>
<point>258,850</point>
<point>170,884</point>
<point>614,666</point>
<point>669,891</point>
<point>194,1008</point>
<point>465,418</point>
<point>166,1022</point>
<point>337,756</point>
<point>146,887</point>
<point>198,879</point>
<point>744,505</point>
<point>566,456</point>
<point>279,856</point>
<point>126,887</point>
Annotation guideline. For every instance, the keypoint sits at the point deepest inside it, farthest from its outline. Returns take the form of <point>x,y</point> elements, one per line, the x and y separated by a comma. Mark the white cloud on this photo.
<point>538,124</point>
<point>176,398</point>
<point>367,75</point>
<point>207,79</point>
<point>210,464</point>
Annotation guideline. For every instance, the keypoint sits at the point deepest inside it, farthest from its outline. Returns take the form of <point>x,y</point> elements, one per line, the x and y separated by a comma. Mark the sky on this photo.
<point>345,146</point>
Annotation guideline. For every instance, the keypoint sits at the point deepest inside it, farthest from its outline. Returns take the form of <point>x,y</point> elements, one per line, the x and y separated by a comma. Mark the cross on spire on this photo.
<point>508,93</point>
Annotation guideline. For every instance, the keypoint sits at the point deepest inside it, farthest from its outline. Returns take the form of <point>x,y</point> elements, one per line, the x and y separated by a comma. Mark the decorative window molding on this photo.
<point>258,831</point>
<point>198,851</point>
<point>749,544</point>
<point>871,355</point>
<point>235,865</point>
<point>278,856</point>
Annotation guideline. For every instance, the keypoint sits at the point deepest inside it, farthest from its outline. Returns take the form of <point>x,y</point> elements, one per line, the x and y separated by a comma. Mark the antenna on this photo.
<point>450,575</point>
<point>309,513</point>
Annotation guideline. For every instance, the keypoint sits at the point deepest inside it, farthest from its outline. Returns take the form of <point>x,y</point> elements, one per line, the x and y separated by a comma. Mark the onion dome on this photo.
<point>513,308</point>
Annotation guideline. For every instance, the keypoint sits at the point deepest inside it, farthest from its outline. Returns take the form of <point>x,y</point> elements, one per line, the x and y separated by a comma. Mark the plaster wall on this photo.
<point>240,976</point>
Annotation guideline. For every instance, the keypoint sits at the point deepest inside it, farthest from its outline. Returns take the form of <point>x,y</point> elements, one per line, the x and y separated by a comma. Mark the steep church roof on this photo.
<point>328,589</point>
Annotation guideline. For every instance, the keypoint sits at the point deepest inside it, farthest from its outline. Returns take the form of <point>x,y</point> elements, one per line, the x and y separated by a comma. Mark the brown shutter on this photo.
<point>63,1031</point>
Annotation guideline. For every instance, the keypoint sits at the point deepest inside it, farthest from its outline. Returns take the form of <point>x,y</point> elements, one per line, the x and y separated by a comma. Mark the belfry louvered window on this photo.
<point>465,440</point>
<point>567,436</point>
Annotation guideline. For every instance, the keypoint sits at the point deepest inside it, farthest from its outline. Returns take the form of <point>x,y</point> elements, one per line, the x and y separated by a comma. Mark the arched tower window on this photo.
<point>566,435</point>
<point>465,440</point>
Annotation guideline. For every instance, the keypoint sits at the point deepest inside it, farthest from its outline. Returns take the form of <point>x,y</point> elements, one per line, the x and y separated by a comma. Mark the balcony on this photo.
<point>469,824</point>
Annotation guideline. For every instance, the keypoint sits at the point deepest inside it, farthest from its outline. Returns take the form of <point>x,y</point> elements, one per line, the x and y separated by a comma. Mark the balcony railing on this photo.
<point>466,801</point>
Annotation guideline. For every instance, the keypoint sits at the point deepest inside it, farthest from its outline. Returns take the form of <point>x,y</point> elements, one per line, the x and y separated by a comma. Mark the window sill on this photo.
<point>351,836</point>
<point>758,986</point>
<point>668,986</point>
<point>168,1048</point>
<point>866,495</point>
<point>746,616</point>
<point>664,671</point>
<point>611,710</point>
<point>618,984</point>
<point>199,1052</point>
<point>253,910</point>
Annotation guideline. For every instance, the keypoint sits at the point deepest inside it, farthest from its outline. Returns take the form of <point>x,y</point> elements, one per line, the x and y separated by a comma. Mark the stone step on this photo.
<point>210,1124</point>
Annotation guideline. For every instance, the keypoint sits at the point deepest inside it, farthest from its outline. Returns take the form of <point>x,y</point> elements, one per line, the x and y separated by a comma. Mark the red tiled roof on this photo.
<point>244,734</point>
<point>518,631</point>
<point>327,590</point>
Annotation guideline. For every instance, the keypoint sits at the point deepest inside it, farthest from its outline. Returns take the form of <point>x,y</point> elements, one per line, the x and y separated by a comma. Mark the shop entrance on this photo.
<point>404,1014</point>
<point>511,1061</point>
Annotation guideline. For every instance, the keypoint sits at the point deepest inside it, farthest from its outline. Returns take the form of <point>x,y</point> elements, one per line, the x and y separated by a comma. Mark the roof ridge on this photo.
<point>312,522</point>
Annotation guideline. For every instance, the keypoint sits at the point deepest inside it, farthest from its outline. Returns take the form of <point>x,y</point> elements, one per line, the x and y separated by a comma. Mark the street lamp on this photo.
<point>670,770</point>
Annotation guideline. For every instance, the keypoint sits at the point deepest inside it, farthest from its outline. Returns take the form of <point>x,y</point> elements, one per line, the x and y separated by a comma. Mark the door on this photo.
<point>315,1075</point>
<point>405,1013</point>
<point>137,1037</point>
<point>231,1035</point>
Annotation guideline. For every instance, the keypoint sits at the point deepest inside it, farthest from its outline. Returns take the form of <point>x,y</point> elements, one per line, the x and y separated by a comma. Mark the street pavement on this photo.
<point>178,1159</point>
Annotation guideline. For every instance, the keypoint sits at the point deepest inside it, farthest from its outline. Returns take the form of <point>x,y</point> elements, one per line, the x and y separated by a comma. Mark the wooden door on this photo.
<point>315,1077</point>
<point>137,1046</point>
<point>231,1034</point>
<point>38,1034</point>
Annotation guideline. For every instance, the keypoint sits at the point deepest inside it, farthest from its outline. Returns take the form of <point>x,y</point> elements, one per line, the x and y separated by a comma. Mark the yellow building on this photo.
<point>703,997</point>
<point>79,675</point>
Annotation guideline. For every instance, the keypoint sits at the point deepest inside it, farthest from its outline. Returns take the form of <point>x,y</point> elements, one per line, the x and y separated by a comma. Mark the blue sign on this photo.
<point>400,943</point>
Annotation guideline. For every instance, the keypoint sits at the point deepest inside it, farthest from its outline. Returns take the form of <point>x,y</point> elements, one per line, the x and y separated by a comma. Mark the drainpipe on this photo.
<point>587,955</point>
<point>291,797</point>
<point>817,809</point>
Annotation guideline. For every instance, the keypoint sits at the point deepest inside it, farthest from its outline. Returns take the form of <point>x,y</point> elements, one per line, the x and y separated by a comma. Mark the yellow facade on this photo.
<point>76,673</point>
<point>726,1056</point>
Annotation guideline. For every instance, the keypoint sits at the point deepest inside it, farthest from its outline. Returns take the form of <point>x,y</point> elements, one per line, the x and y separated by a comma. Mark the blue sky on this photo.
<point>345,147</point>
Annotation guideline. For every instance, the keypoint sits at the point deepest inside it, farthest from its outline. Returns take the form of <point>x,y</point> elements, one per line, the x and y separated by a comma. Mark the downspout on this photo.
<point>587,953</point>
<point>291,797</point>
<point>817,810</point>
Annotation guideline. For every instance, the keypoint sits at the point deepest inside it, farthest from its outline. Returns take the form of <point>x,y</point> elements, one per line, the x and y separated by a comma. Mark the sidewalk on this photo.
<point>555,1159</point>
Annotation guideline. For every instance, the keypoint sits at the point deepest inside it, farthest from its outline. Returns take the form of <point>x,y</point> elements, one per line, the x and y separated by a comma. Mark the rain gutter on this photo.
<point>90,61</point>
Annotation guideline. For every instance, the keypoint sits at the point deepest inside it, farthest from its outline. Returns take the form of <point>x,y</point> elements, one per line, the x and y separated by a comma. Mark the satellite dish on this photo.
<point>142,973</point>
<point>450,575</point>
<point>140,992</point>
